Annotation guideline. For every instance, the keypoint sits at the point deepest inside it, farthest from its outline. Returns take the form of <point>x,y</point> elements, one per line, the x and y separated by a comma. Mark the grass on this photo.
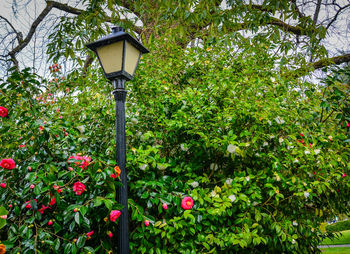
<point>343,239</point>
<point>336,250</point>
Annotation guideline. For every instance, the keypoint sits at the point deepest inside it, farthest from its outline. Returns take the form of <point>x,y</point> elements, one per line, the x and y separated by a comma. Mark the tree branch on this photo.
<point>336,15</point>
<point>334,60</point>
<point>19,35</point>
<point>317,11</point>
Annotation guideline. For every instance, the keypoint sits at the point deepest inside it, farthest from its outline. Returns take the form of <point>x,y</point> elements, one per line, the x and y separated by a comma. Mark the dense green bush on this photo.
<point>339,226</point>
<point>263,156</point>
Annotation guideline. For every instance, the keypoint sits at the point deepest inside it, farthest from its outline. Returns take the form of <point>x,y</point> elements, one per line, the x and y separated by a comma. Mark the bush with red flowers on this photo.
<point>223,156</point>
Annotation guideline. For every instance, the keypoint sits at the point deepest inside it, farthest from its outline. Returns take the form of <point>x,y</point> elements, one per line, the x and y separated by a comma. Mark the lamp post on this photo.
<point>119,54</point>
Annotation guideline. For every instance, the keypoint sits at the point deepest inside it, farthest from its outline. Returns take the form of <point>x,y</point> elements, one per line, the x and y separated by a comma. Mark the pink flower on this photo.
<point>3,217</point>
<point>3,112</point>
<point>7,164</point>
<point>78,188</point>
<point>147,223</point>
<point>347,124</point>
<point>83,161</point>
<point>165,206</point>
<point>60,117</point>
<point>70,168</point>
<point>32,186</point>
<point>57,188</point>
<point>43,208</point>
<point>114,215</point>
<point>66,134</point>
<point>58,110</point>
<point>110,234</point>
<point>89,234</point>
<point>343,175</point>
<point>41,128</point>
<point>30,168</point>
<point>3,185</point>
<point>10,205</point>
<point>187,203</point>
<point>50,222</point>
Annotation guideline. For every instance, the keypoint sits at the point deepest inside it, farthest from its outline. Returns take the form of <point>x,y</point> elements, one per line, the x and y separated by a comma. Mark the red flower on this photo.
<point>343,175</point>
<point>89,234</point>
<point>3,112</point>
<point>110,234</point>
<point>21,146</point>
<point>114,175</point>
<point>50,222</point>
<point>78,188</point>
<point>147,223</point>
<point>347,124</point>
<point>32,186</point>
<point>3,185</point>
<point>53,201</point>
<point>57,188</point>
<point>29,205</point>
<point>165,206</point>
<point>7,164</point>
<point>41,128</point>
<point>114,215</point>
<point>187,203</point>
<point>43,208</point>
<point>301,134</point>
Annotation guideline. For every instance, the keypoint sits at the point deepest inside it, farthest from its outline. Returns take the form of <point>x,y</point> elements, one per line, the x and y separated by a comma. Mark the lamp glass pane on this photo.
<point>111,57</point>
<point>132,55</point>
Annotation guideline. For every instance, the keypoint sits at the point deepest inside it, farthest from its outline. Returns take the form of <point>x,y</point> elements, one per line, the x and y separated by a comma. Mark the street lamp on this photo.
<point>119,54</point>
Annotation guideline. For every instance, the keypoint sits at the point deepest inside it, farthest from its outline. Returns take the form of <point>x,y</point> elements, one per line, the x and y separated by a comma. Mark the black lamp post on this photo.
<point>119,54</point>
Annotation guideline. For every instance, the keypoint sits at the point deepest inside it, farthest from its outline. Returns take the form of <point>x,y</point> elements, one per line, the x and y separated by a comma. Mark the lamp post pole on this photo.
<point>122,192</point>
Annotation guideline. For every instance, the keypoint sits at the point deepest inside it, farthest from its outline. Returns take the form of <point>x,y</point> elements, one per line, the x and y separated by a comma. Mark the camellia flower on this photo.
<point>29,205</point>
<point>50,222</point>
<point>7,164</point>
<point>228,181</point>
<point>146,223</point>
<point>83,161</point>
<point>2,249</point>
<point>232,198</point>
<point>187,203</point>
<point>3,217</point>
<point>3,112</point>
<point>3,185</point>
<point>194,184</point>
<point>53,201</point>
<point>343,175</point>
<point>117,170</point>
<point>78,188</point>
<point>43,208</point>
<point>114,215</point>
<point>89,234</point>
<point>110,234</point>
<point>231,148</point>
<point>165,206</point>
<point>57,188</point>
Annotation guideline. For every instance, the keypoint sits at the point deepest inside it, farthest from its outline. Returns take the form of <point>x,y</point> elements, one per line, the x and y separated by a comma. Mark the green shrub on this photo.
<point>339,226</point>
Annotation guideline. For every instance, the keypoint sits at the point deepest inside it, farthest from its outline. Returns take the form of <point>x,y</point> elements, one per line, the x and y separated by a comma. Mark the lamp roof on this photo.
<point>118,34</point>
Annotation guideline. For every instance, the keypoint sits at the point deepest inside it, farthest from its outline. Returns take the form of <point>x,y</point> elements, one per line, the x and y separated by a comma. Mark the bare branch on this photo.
<point>19,35</point>
<point>336,15</point>
<point>317,11</point>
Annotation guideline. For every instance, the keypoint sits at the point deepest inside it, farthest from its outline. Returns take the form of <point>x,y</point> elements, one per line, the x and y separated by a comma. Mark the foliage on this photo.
<point>223,126</point>
<point>339,226</point>
<point>343,237</point>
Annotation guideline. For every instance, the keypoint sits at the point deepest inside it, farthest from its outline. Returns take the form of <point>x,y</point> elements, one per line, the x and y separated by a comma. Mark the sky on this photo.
<point>21,13</point>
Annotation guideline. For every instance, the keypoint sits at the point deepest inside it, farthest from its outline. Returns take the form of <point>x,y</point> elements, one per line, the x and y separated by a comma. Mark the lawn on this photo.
<point>336,250</point>
<point>344,239</point>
